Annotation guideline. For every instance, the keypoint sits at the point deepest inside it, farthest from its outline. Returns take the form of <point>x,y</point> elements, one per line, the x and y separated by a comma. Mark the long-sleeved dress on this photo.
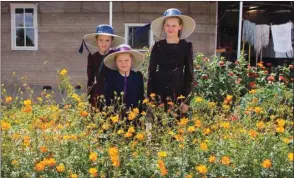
<point>97,73</point>
<point>170,72</point>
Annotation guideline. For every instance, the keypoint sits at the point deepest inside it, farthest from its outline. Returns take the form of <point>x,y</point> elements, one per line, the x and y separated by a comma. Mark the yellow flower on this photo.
<point>39,99</point>
<point>257,109</point>
<point>212,159</point>
<point>211,104</point>
<point>226,107</point>
<point>63,72</point>
<point>291,156</point>
<point>73,176</point>
<point>252,91</point>
<point>43,149</point>
<point>181,146</point>
<point>183,122</point>
<point>93,156</point>
<point>60,168</point>
<point>93,172</point>
<point>201,169</point>
<point>199,99</point>
<point>105,126</point>
<point>280,129</point>
<point>51,162</point>
<point>191,129</point>
<point>203,146</point>
<point>189,176</point>
<point>27,102</point>
<point>140,136</point>
<point>8,99</point>
<point>260,125</point>
<point>181,97</point>
<point>162,154</point>
<point>162,167</point>
<point>281,122</point>
<point>267,163</point>
<point>206,131</point>
<point>143,113</point>
<point>113,151</point>
<point>5,125</point>
<point>225,160</point>
<point>14,162</point>
<point>132,115</point>
<point>120,131</point>
<point>145,100</point>
<point>225,125</point>
<point>39,167</point>
<point>286,140</point>
<point>114,119</point>
<point>152,95</point>
<point>136,110</point>
<point>128,135</point>
<point>229,98</point>
<point>131,130</point>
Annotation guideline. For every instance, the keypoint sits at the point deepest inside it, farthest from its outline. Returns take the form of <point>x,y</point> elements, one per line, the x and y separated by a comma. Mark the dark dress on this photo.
<point>96,79</point>
<point>134,90</point>
<point>170,72</point>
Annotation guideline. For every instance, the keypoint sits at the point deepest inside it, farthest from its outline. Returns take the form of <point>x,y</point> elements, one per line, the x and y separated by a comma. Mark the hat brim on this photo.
<point>137,60</point>
<point>90,39</point>
<point>188,28</point>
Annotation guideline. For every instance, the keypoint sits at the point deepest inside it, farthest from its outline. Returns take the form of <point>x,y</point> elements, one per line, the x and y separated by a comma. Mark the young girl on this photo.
<point>170,72</point>
<point>103,40</point>
<point>124,79</point>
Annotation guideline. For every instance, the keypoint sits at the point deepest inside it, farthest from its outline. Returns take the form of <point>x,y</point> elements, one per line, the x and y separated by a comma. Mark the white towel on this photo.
<point>261,37</point>
<point>282,37</point>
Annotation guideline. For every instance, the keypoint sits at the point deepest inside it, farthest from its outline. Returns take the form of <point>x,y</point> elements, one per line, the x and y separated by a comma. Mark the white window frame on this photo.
<point>128,25</point>
<point>14,6</point>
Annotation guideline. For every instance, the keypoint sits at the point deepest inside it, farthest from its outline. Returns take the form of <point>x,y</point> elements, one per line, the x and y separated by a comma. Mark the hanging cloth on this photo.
<point>261,37</point>
<point>282,37</point>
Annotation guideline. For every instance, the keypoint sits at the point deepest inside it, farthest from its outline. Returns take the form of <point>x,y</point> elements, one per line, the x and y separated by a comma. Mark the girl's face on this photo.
<point>172,27</point>
<point>124,62</point>
<point>103,42</point>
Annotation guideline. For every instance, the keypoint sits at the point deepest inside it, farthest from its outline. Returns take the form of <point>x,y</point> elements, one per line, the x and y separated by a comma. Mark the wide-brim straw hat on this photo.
<point>188,25</point>
<point>137,57</point>
<point>103,29</point>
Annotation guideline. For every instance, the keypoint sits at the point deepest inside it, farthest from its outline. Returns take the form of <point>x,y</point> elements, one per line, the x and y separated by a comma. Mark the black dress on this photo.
<point>170,72</point>
<point>97,72</point>
<point>134,88</point>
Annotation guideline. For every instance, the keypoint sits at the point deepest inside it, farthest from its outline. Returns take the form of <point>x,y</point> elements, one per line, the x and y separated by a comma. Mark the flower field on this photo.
<point>240,124</point>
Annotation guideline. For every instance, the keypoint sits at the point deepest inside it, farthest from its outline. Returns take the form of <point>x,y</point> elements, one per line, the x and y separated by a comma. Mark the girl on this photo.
<point>170,72</point>
<point>103,40</point>
<point>124,61</point>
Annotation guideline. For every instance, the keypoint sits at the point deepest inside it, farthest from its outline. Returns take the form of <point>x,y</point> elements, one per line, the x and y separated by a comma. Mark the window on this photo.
<point>24,31</point>
<point>138,40</point>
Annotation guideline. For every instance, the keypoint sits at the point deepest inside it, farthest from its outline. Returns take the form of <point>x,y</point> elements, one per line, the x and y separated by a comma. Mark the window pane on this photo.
<point>30,36</point>
<point>19,36</point>
<point>138,40</point>
<point>19,17</point>
<point>29,20</point>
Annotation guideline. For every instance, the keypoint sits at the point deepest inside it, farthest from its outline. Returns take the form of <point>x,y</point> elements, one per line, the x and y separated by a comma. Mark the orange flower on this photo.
<point>257,109</point>
<point>281,122</point>
<point>93,156</point>
<point>280,129</point>
<point>73,176</point>
<point>5,125</point>
<point>93,172</point>
<point>162,167</point>
<point>252,133</point>
<point>197,123</point>
<point>260,125</point>
<point>84,113</point>
<point>152,95</point>
<point>27,109</point>
<point>43,149</point>
<point>132,115</point>
<point>203,146</point>
<point>206,131</point>
<point>114,119</point>
<point>212,159</point>
<point>39,167</point>
<point>145,101</point>
<point>140,136</point>
<point>191,129</point>
<point>60,168</point>
<point>8,99</point>
<point>267,163</point>
<point>183,121</point>
<point>225,160</point>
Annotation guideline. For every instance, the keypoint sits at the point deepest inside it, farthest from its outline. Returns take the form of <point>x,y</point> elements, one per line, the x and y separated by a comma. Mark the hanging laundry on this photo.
<point>261,37</point>
<point>282,37</point>
<point>248,34</point>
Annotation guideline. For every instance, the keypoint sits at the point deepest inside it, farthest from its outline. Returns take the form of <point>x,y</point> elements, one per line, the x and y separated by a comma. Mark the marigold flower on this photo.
<point>60,168</point>
<point>286,140</point>
<point>252,91</point>
<point>132,115</point>
<point>27,109</point>
<point>181,97</point>
<point>203,146</point>
<point>51,162</point>
<point>8,99</point>
<point>162,154</point>
<point>143,113</point>
<point>136,110</point>
<point>63,72</point>
<point>114,119</point>
<point>260,125</point>
<point>206,131</point>
<point>162,167</point>
<point>211,104</point>
<point>39,167</point>
<point>140,136</point>
<point>252,133</point>
<point>281,122</point>
<point>267,163</point>
<point>212,159</point>
<point>93,156</point>
<point>131,130</point>
<point>93,172</point>
<point>84,113</point>
<point>183,121</point>
<point>199,99</point>
<point>73,176</point>
<point>252,85</point>
<point>27,102</point>
<point>225,125</point>
<point>280,129</point>
<point>128,135</point>
<point>257,109</point>
<point>189,176</point>
<point>197,123</point>
<point>145,100</point>
<point>291,156</point>
<point>43,149</point>
<point>120,131</point>
<point>225,160</point>
<point>5,125</point>
<point>201,169</point>
<point>152,95</point>
<point>14,162</point>
<point>191,129</point>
